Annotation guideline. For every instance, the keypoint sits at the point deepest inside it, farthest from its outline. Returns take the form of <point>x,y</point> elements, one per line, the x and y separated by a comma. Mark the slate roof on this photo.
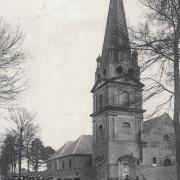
<point>149,124</point>
<point>81,146</point>
<point>116,34</point>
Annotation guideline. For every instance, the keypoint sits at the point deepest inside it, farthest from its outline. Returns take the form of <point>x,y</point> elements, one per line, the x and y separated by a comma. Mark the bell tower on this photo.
<point>117,102</point>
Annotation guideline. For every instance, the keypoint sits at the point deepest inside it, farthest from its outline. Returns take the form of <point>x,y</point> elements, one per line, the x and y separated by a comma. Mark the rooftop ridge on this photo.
<point>79,139</point>
<point>160,116</point>
<point>149,124</point>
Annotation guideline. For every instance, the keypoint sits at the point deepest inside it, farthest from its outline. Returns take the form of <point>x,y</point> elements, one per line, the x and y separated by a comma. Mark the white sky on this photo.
<point>63,38</point>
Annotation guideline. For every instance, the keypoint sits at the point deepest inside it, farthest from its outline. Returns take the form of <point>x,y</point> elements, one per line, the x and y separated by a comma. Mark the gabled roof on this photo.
<point>149,124</point>
<point>82,146</point>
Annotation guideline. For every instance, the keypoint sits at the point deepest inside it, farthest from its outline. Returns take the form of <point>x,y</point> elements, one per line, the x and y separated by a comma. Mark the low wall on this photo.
<point>83,174</point>
<point>157,173</point>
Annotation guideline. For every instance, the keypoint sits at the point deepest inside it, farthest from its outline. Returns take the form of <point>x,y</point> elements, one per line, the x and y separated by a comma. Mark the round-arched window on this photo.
<point>166,138</point>
<point>101,101</point>
<point>100,127</point>
<point>104,72</point>
<point>124,98</point>
<point>131,72</point>
<point>119,69</point>
<point>154,161</point>
<point>70,164</point>
<point>62,164</point>
<point>167,162</point>
<point>126,127</point>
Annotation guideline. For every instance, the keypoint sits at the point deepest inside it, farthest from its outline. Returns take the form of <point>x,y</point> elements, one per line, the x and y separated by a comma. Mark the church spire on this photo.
<point>116,35</point>
<point>116,60</point>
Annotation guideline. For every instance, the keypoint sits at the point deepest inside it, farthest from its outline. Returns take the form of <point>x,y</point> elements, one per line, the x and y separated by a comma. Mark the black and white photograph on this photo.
<point>89,89</point>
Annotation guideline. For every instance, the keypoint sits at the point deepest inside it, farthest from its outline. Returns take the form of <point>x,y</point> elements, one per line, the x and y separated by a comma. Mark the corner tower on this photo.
<point>117,102</point>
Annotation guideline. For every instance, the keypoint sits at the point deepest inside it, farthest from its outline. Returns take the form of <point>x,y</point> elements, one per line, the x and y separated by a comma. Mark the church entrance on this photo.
<point>127,165</point>
<point>125,168</point>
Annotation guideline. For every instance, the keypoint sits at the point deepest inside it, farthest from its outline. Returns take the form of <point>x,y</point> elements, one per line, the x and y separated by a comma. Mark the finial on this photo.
<point>135,53</point>
<point>98,58</point>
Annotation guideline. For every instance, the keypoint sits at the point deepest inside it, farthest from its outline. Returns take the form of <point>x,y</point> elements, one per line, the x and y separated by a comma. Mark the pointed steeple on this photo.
<point>116,60</point>
<point>116,35</point>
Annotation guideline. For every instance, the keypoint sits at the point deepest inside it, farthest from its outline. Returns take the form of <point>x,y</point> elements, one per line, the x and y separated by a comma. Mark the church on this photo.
<point>122,143</point>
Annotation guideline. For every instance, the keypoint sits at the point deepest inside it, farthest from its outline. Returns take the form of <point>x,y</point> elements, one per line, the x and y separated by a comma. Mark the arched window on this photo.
<point>62,164</point>
<point>55,165</point>
<point>131,72</point>
<point>126,127</point>
<point>70,164</point>
<point>111,53</point>
<point>101,101</point>
<point>104,72</point>
<point>100,127</point>
<point>119,69</point>
<point>123,169</point>
<point>95,103</point>
<point>154,161</point>
<point>49,167</point>
<point>166,138</point>
<point>167,162</point>
<point>125,98</point>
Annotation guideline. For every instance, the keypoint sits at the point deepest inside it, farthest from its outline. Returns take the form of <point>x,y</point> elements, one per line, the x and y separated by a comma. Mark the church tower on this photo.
<point>117,102</point>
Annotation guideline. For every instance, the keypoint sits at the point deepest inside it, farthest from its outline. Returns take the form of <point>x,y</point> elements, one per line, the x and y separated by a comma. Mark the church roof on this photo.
<point>81,146</point>
<point>116,35</point>
<point>149,124</point>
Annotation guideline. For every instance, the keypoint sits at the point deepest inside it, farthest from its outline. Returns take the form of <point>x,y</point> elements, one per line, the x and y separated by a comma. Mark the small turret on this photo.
<point>98,60</point>
<point>98,73</point>
<point>135,64</point>
<point>135,57</point>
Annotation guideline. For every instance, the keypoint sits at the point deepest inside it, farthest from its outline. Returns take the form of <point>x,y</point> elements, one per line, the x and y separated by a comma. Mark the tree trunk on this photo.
<point>36,165</point>
<point>12,168</point>
<point>20,153</point>
<point>177,98</point>
<point>28,160</point>
<point>14,172</point>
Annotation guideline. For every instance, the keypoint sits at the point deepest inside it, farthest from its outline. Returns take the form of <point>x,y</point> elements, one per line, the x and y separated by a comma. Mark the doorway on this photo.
<point>127,165</point>
<point>123,169</point>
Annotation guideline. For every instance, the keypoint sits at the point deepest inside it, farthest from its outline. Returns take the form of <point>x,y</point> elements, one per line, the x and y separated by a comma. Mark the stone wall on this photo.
<point>159,142</point>
<point>60,168</point>
<point>157,173</point>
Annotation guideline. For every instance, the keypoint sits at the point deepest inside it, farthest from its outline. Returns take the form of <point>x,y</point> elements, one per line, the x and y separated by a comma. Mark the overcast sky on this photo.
<point>63,38</point>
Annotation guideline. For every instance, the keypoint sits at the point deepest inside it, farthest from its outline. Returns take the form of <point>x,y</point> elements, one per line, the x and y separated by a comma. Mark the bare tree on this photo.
<point>158,42</point>
<point>11,58</point>
<point>30,135</point>
<point>23,125</point>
